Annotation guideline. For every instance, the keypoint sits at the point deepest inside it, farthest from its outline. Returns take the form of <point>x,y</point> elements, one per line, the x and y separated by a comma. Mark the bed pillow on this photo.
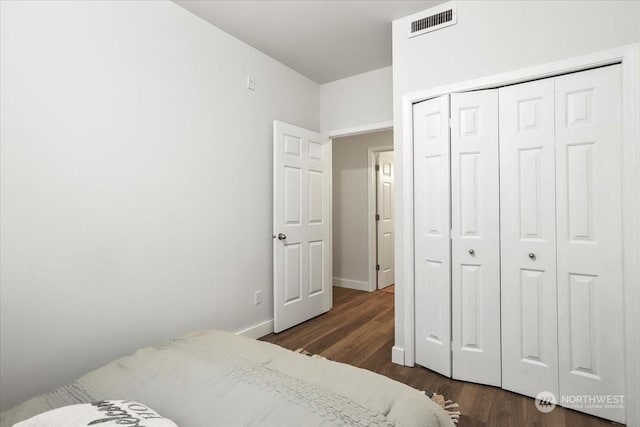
<point>103,413</point>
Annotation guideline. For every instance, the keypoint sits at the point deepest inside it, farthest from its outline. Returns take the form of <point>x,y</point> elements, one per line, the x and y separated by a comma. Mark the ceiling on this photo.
<point>323,40</point>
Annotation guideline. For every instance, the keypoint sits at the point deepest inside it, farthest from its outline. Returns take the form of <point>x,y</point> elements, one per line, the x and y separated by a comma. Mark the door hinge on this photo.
<point>377,167</point>
<point>377,267</point>
<point>451,234</point>
<point>451,122</point>
<point>377,217</point>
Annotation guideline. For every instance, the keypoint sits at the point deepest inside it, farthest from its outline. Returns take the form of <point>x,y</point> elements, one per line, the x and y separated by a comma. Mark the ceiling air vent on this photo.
<point>435,18</point>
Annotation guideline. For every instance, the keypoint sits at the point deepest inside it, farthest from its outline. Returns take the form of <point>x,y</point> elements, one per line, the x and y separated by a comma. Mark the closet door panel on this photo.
<point>589,236</point>
<point>432,243</point>
<point>528,246</point>
<point>475,237</point>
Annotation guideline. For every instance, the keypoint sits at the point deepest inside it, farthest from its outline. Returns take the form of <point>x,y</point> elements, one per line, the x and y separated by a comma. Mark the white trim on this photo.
<point>257,331</point>
<point>631,227</point>
<point>330,216</point>
<point>629,57</point>
<point>407,263</point>
<point>397,355</point>
<point>371,222</point>
<point>371,210</point>
<point>598,59</point>
<point>351,284</point>
<point>358,130</point>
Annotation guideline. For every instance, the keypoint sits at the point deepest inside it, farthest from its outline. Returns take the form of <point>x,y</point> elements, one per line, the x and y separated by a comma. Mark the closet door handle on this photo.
<point>472,252</point>
<point>532,255</point>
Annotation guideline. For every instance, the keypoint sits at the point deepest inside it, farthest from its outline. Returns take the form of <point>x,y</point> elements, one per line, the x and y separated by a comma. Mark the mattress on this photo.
<point>214,378</point>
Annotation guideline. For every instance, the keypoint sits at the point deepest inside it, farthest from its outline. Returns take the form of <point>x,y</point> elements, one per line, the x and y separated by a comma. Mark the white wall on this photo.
<point>136,182</point>
<point>493,37</point>
<point>360,100</point>
<point>350,206</point>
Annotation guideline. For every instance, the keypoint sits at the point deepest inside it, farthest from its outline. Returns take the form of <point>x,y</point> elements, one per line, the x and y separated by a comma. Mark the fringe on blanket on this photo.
<point>450,407</point>
<point>306,353</point>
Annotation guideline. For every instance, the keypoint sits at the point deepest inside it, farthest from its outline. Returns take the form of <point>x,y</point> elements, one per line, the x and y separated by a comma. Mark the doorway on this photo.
<point>361,243</point>
<point>384,219</point>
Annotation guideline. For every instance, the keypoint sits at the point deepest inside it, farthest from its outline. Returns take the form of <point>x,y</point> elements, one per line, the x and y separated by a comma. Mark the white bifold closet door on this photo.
<point>528,238</point>
<point>475,237</point>
<point>432,243</point>
<point>518,274</point>
<point>457,250</point>
<point>561,239</point>
<point>589,236</point>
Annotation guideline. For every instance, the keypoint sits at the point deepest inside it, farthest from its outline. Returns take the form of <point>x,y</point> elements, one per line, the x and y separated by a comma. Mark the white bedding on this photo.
<point>215,378</point>
<point>103,412</point>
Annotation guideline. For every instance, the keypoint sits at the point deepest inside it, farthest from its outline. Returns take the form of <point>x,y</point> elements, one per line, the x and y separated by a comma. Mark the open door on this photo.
<point>301,225</point>
<point>385,220</point>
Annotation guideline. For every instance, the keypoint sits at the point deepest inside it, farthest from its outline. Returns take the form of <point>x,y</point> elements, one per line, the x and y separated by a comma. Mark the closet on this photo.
<point>518,237</point>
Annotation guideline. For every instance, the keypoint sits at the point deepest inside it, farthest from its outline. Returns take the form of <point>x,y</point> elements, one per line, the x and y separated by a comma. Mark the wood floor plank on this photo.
<point>363,341</point>
<point>507,411</point>
<point>480,399</point>
<point>359,330</point>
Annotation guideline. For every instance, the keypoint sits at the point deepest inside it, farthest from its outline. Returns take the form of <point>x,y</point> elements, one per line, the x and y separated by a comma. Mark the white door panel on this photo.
<point>589,236</point>
<point>475,238</point>
<point>528,244</point>
<point>385,223</point>
<point>432,227</point>
<point>302,213</point>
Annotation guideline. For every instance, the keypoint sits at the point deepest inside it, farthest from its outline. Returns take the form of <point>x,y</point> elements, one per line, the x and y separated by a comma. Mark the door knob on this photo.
<point>282,236</point>
<point>532,255</point>
<point>472,252</point>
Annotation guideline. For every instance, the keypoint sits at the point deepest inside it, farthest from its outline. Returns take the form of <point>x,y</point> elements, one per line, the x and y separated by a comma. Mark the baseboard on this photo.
<point>257,331</point>
<point>351,284</point>
<point>397,355</point>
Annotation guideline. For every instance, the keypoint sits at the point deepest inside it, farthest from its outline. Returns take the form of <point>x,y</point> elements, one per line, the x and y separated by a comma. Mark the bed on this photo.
<point>215,378</point>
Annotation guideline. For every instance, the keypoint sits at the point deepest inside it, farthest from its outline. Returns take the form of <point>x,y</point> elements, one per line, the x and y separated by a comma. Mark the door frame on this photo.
<point>361,130</point>
<point>372,198</point>
<point>629,58</point>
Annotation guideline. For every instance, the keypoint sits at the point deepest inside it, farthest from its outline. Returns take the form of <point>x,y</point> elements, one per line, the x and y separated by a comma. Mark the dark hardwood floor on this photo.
<point>359,331</point>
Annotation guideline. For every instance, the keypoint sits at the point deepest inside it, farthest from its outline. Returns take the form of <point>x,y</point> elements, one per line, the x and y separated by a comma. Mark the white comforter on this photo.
<point>216,378</point>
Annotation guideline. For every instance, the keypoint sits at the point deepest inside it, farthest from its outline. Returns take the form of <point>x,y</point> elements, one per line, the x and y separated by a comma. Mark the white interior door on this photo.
<point>475,237</point>
<point>528,238</point>
<point>385,219</point>
<point>589,237</point>
<point>301,225</point>
<point>432,230</point>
